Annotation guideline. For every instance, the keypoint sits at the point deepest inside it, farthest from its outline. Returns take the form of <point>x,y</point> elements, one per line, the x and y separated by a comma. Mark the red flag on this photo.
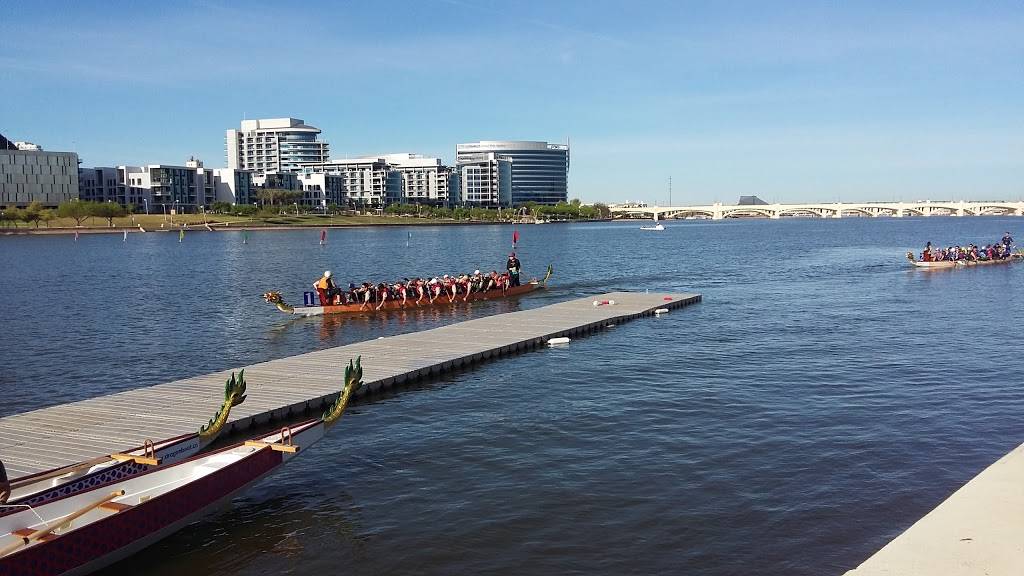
<point>515,238</point>
<point>323,236</point>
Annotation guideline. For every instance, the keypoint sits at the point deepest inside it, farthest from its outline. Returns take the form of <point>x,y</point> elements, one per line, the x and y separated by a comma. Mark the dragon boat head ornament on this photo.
<point>234,394</point>
<point>353,381</point>
<point>275,298</point>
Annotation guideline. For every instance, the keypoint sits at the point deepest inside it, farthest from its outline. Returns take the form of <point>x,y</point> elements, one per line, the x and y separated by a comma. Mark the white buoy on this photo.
<point>560,340</point>
<point>661,311</point>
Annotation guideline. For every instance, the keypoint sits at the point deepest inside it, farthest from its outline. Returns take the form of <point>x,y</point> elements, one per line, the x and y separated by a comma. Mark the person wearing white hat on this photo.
<point>326,289</point>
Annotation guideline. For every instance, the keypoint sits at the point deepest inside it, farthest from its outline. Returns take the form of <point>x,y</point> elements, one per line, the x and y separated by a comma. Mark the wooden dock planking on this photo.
<point>70,433</point>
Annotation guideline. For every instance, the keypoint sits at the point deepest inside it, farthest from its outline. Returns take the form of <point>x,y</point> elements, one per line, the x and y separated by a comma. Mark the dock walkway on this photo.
<point>70,433</point>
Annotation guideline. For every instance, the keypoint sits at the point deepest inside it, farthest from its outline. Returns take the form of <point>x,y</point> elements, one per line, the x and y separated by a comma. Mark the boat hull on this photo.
<point>410,303</point>
<point>50,487</point>
<point>948,264</point>
<point>161,502</point>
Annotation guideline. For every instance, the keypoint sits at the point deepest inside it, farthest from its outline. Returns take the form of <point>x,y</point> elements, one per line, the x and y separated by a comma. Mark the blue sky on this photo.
<point>789,101</point>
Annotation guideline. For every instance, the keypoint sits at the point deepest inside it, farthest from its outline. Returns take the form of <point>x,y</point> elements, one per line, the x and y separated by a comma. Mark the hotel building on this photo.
<point>274,145</point>
<point>540,171</point>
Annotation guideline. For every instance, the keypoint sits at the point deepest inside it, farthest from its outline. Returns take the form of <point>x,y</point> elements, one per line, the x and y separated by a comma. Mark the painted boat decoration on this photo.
<point>534,284</point>
<point>961,263</point>
<point>37,489</point>
<point>85,532</point>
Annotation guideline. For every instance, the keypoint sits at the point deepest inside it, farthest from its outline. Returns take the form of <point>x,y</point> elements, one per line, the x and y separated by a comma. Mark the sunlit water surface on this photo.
<point>821,399</point>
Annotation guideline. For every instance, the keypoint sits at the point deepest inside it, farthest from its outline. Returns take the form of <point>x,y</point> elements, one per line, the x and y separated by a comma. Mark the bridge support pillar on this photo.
<point>899,213</point>
<point>774,216</point>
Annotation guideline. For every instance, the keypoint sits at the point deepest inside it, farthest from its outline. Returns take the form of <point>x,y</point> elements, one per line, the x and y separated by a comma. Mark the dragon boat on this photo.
<point>409,304</point>
<point>94,528</point>
<point>941,264</point>
<point>40,488</point>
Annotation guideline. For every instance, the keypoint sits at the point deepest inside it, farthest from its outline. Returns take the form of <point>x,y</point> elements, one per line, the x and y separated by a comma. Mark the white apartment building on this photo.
<point>365,183</point>
<point>28,176</point>
<point>157,188</point>
<point>320,190</point>
<point>273,145</point>
<point>424,180</point>
<point>485,179</point>
<point>234,186</point>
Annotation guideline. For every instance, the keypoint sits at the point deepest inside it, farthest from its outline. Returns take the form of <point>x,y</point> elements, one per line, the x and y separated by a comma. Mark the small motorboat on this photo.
<point>39,488</point>
<point>409,304</point>
<point>657,225</point>
<point>87,531</point>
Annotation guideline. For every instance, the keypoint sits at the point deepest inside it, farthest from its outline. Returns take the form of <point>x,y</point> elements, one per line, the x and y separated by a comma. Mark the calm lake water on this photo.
<point>821,399</point>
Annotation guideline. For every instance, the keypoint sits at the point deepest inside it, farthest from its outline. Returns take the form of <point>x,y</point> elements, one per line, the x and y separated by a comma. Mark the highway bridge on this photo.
<point>718,211</point>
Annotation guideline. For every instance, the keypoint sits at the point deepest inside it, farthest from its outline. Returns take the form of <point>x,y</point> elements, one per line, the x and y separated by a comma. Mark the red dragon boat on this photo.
<point>410,304</point>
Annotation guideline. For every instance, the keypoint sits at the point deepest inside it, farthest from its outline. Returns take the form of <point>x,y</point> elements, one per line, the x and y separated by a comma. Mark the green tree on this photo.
<point>77,210</point>
<point>47,216</point>
<point>274,196</point>
<point>15,215</point>
<point>220,207</point>
<point>31,214</point>
<point>108,210</point>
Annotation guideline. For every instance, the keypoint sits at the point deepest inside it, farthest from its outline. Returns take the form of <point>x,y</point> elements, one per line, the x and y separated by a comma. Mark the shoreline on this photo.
<point>235,227</point>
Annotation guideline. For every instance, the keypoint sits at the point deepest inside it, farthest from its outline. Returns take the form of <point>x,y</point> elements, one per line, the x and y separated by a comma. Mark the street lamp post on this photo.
<point>146,204</point>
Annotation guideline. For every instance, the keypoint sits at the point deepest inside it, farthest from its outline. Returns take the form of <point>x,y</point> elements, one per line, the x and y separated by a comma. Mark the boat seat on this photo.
<point>115,506</point>
<point>26,532</point>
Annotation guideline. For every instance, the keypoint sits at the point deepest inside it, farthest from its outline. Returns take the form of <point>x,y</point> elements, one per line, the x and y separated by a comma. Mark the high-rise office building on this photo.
<point>540,171</point>
<point>274,145</point>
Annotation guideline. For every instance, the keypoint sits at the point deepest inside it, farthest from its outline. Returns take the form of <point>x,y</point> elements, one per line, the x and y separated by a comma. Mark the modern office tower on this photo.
<point>424,180</point>
<point>274,145</point>
<point>485,179</point>
<point>234,186</point>
<point>366,182</point>
<point>6,144</point>
<point>28,176</point>
<point>540,171</point>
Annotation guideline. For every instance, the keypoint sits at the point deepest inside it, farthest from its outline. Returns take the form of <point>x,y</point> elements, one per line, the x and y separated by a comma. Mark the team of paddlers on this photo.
<point>970,253</point>
<point>418,291</point>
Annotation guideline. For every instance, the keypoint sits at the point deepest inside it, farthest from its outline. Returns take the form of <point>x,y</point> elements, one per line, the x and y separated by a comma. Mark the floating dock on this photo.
<point>975,532</point>
<point>280,389</point>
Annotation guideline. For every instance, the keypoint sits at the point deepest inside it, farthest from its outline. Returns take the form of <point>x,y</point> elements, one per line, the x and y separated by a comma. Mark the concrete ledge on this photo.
<point>978,531</point>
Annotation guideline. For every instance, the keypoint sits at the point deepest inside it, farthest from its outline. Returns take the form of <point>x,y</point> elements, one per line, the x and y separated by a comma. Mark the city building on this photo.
<point>165,188</point>
<point>277,181</point>
<point>153,188</point>
<point>28,176</point>
<point>485,179</point>
<point>101,184</point>
<point>540,171</point>
<point>274,145</point>
<point>234,186</point>
<point>320,190</point>
<point>424,180</point>
<point>365,183</point>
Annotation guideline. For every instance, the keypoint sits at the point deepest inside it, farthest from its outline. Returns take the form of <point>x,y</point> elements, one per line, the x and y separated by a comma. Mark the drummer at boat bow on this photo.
<point>513,266</point>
